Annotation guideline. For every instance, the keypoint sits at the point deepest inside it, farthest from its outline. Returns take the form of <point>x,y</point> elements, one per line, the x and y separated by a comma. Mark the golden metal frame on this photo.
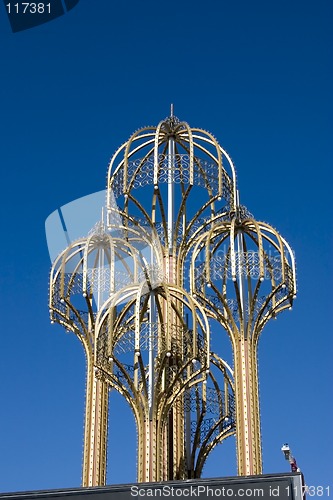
<point>176,256</point>
<point>250,282</point>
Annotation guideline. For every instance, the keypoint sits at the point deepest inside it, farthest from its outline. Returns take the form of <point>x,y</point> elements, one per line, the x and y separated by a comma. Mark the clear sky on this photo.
<point>258,75</point>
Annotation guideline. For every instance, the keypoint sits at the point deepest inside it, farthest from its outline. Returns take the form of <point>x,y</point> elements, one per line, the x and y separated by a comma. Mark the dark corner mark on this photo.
<point>25,15</point>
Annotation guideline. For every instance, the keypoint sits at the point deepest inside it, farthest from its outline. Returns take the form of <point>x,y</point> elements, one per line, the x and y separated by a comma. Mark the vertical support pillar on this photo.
<point>95,433</point>
<point>247,410</point>
<point>247,399</point>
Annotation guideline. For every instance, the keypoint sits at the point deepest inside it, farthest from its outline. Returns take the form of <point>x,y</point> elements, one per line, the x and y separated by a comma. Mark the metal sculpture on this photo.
<point>247,276</point>
<point>175,256</point>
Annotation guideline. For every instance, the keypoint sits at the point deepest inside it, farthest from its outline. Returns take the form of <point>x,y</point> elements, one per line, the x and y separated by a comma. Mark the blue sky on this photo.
<point>258,76</point>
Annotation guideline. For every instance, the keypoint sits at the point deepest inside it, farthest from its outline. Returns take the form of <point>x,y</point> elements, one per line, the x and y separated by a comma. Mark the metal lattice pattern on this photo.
<point>141,173</point>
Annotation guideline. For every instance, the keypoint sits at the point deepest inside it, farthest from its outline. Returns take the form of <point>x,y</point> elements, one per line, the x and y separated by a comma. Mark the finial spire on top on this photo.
<point>171,109</point>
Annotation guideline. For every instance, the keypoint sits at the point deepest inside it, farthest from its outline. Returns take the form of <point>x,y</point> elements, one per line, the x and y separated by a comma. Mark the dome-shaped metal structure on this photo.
<point>243,273</point>
<point>83,278</point>
<point>180,392</point>
<point>186,174</point>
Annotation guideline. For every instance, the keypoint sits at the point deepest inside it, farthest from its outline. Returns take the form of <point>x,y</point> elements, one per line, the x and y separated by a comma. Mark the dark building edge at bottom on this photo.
<point>266,486</point>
